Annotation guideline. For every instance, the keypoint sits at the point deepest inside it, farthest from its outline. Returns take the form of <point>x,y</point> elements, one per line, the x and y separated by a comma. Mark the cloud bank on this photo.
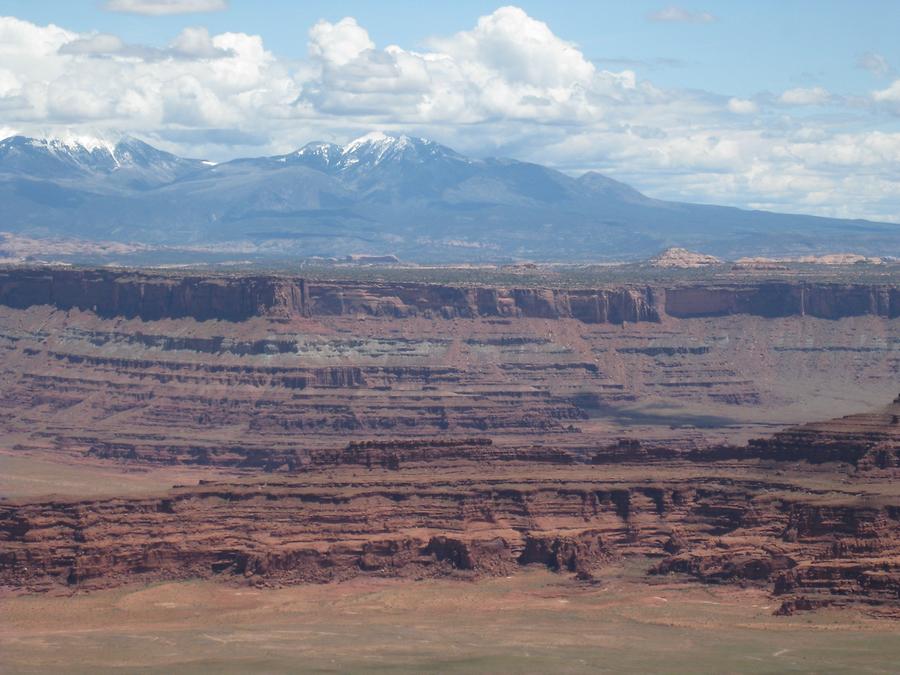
<point>508,85</point>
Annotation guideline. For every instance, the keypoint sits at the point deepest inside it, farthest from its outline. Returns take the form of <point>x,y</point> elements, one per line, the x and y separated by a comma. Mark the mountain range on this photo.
<point>381,194</point>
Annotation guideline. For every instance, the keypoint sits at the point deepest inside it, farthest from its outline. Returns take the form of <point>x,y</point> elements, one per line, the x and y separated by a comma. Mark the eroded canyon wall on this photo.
<point>150,297</point>
<point>778,299</point>
<point>810,547</point>
<point>420,428</point>
<point>234,370</point>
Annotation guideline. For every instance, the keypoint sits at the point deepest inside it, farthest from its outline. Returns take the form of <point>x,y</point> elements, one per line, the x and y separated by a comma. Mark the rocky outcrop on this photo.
<point>683,259</point>
<point>150,297</point>
<point>577,552</point>
<point>868,441</point>
<point>811,551</point>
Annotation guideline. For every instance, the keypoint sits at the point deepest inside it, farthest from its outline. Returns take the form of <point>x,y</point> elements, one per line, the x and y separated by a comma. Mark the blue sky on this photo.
<point>786,105</point>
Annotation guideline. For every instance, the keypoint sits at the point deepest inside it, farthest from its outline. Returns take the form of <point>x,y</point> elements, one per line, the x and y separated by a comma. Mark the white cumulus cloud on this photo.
<point>339,43</point>
<point>892,93</point>
<point>164,7</point>
<point>99,43</point>
<point>806,96</point>
<point>742,106</point>
<point>509,66</point>
<point>518,48</point>
<point>60,77</point>
<point>509,85</point>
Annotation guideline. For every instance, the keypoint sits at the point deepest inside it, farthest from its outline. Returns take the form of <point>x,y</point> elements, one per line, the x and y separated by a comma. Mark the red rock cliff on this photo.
<point>151,297</point>
<point>775,299</point>
<point>156,296</point>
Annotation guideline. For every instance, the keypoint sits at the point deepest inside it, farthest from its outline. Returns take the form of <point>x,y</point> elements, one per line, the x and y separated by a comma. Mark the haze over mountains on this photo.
<point>382,194</point>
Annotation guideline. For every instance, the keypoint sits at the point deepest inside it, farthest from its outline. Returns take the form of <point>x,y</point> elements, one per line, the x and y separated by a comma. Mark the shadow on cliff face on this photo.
<point>650,414</point>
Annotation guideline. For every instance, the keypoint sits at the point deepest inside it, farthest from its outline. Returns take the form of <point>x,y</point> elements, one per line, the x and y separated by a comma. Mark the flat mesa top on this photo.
<point>528,275</point>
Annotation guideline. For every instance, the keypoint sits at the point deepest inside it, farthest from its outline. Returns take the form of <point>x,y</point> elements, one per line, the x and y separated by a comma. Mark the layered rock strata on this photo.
<point>810,547</point>
<point>868,441</point>
<point>237,298</point>
<point>153,297</point>
<point>261,371</point>
<point>416,429</point>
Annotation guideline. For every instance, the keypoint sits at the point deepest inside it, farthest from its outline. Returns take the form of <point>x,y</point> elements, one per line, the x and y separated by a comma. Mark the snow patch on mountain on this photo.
<point>375,138</point>
<point>72,144</point>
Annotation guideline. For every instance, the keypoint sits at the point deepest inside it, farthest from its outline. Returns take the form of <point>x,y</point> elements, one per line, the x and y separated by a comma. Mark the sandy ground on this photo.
<point>533,622</point>
<point>35,474</point>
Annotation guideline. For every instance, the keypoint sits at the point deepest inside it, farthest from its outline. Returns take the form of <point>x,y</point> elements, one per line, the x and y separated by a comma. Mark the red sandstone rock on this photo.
<point>423,429</point>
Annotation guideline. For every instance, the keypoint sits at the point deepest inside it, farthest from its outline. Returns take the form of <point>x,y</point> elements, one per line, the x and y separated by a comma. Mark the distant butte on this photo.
<point>681,257</point>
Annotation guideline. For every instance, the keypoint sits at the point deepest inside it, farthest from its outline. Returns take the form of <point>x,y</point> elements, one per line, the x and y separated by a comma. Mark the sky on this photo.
<point>790,106</point>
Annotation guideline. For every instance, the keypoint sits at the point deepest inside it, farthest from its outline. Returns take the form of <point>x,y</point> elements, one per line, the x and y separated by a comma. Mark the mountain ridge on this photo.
<point>385,194</point>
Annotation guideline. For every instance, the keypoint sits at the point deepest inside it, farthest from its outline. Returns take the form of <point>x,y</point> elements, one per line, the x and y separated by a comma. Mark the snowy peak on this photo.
<point>375,139</point>
<point>328,151</point>
<point>376,147</point>
<point>67,156</point>
<point>89,152</point>
<point>128,160</point>
<point>59,145</point>
<point>317,155</point>
<point>382,144</point>
<point>74,144</point>
<point>133,152</point>
<point>368,152</point>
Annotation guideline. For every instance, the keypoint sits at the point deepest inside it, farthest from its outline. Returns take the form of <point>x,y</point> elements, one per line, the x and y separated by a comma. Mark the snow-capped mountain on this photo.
<point>378,148</point>
<point>128,161</point>
<point>65,157</point>
<point>368,152</point>
<point>382,194</point>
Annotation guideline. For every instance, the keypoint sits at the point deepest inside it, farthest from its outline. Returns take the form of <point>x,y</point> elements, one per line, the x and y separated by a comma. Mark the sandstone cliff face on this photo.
<point>868,441</point>
<point>814,551</point>
<point>299,532</point>
<point>824,301</point>
<point>435,301</point>
<point>112,293</point>
<point>150,297</point>
<point>395,525</point>
<point>317,365</point>
<point>810,549</point>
